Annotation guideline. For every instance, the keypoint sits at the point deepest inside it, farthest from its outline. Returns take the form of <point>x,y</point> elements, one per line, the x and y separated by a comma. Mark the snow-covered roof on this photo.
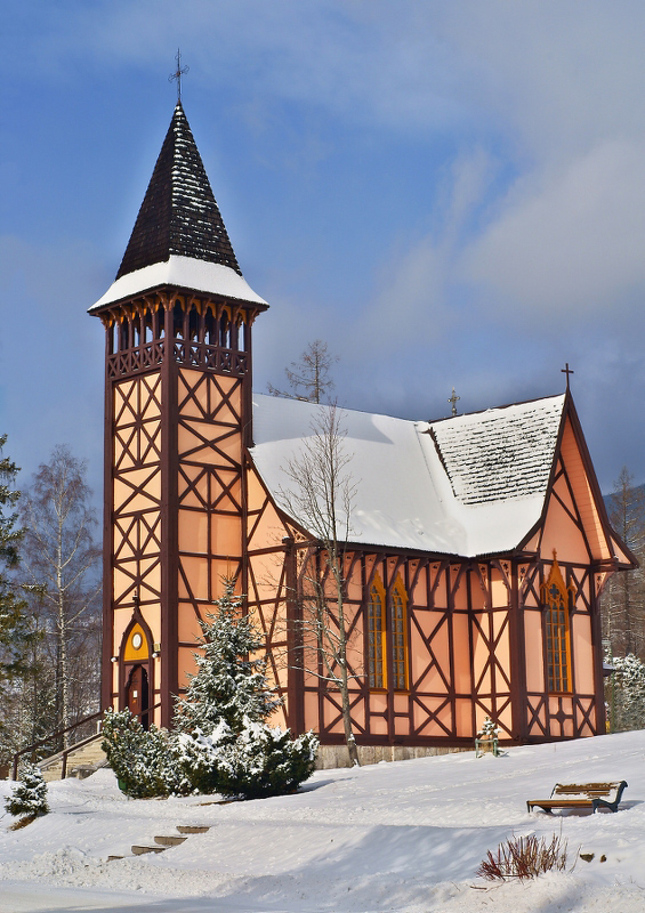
<point>469,485</point>
<point>181,272</point>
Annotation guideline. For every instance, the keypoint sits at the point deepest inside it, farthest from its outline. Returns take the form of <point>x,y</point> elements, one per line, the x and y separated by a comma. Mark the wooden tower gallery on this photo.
<point>478,547</point>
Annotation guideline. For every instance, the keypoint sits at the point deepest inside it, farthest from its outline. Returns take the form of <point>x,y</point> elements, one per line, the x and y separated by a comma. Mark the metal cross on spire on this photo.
<point>453,400</point>
<point>179,72</point>
<point>567,370</point>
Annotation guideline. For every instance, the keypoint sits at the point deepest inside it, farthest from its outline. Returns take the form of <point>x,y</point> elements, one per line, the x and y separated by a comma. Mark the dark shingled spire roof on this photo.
<point>179,214</point>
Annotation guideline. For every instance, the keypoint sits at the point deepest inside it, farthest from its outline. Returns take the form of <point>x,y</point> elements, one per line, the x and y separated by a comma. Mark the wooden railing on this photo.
<point>54,737</point>
<point>145,716</point>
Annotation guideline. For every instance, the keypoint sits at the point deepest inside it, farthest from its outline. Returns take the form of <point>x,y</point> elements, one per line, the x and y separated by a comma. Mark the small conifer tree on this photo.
<point>29,797</point>
<point>628,699</point>
<point>228,685</point>
<point>489,730</point>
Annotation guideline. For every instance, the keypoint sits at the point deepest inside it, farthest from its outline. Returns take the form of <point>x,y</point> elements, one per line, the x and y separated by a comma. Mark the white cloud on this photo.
<point>571,243</point>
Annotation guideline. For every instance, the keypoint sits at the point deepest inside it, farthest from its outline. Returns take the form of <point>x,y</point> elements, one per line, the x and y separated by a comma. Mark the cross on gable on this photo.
<point>566,370</point>
<point>453,400</point>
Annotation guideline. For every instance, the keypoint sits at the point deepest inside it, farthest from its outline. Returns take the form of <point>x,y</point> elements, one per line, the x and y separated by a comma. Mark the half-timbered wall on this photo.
<point>136,533</point>
<point>572,534</point>
<point>209,499</point>
<point>457,651</point>
<point>269,584</point>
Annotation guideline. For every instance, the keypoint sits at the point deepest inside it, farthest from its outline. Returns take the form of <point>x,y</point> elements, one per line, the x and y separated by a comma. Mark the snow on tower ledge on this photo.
<point>181,272</point>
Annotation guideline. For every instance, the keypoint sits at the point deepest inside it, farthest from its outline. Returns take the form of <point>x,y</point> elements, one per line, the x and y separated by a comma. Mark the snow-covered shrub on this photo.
<point>144,761</point>
<point>255,762</point>
<point>29,797</point>
<point>525,857</point>
<point>627,703</point>
<point>224,741</point>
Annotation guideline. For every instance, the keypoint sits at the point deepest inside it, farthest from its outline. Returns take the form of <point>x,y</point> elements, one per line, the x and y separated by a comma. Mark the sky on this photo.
<point>448,194</point>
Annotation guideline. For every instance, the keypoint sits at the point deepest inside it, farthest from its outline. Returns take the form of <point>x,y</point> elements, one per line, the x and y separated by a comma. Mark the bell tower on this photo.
<point>177,322</point>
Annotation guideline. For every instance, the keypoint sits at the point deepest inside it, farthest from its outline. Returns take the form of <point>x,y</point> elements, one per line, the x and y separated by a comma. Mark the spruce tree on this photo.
<point>29,797</point>
<point>224,741</point>
<point>229,686</point>
<point>14,632</point>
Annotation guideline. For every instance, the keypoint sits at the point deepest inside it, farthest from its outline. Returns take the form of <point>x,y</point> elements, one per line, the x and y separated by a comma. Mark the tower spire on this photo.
<point>179,214</point>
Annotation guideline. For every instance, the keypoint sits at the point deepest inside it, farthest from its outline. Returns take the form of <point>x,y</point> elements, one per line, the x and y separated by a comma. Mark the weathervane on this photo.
<point>566,370</point>
<point>453,400</point>
<point>179,72</point>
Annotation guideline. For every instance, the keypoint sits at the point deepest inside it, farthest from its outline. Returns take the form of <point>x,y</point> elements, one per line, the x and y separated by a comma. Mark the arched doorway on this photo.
<point>137,669</point>
<point>137,694</point>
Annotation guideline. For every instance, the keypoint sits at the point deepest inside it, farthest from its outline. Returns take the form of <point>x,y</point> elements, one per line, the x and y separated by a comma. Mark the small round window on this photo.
<point>137,640</point>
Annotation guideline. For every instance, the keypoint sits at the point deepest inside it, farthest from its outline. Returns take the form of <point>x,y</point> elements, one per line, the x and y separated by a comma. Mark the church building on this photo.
<point>473,550</point>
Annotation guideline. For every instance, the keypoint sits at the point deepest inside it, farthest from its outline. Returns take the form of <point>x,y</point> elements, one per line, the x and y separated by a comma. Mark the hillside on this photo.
<point>405,836</point>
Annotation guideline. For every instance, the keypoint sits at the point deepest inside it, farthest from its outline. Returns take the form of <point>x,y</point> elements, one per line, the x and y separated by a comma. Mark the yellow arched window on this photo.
<point>556,599</point>
<point>399,637</point>
<point>376,633</point>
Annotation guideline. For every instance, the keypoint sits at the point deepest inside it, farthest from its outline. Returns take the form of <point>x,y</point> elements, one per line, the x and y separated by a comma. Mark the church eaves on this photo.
<point>179,215</point>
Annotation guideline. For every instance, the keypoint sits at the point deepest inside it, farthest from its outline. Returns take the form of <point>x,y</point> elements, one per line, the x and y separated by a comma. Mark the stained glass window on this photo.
<point>556,597</point>
<point>399,638</point>
<point>376,630</point>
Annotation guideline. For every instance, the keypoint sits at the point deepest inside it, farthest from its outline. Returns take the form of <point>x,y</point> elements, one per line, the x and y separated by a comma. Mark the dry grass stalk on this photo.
<point>525,857</point>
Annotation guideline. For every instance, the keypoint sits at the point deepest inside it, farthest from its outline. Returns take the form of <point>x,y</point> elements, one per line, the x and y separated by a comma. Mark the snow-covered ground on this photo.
<point>405,836</point>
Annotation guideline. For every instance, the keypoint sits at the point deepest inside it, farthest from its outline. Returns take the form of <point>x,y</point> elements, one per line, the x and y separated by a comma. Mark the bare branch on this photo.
<point>319,494</point>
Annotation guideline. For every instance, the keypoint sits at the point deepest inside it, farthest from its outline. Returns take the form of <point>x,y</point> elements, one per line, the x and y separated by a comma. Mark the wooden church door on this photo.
<point>136,694</point>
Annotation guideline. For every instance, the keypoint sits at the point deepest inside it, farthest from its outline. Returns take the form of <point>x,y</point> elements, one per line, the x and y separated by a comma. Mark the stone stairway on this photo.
<point>164,842</point>
<point>81,761</point>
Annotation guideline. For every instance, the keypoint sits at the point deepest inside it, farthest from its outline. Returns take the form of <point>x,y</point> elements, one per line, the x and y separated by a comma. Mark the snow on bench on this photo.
<point>581,795</point>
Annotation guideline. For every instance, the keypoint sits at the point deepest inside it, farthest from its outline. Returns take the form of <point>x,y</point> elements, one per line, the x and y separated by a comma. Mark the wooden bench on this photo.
<point>581,795</point>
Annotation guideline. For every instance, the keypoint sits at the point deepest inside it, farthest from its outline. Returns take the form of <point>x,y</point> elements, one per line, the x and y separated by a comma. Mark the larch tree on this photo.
<point>310,378</point>
<point>319,496</point>
<point>623,601</point>
<point>61,564</point>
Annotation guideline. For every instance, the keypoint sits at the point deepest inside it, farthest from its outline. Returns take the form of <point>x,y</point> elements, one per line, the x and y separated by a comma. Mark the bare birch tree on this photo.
<point>319,496</point>
<point>310,378</point>
<point>60,560</point>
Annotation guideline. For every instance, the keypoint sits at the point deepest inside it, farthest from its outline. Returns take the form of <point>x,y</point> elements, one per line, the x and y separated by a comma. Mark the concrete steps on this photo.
<point>81,761</point>
<point>173,840</point>
<point>165,841</point>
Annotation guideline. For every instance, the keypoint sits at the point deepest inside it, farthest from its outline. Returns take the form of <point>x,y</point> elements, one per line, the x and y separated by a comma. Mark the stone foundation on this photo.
<point>337,755</point>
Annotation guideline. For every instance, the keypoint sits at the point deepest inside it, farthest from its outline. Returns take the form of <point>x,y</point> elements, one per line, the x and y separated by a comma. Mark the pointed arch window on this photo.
<point>379,673</point>
<point>376,634</point>
<point>557,599</point>
<point>399,636</point>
